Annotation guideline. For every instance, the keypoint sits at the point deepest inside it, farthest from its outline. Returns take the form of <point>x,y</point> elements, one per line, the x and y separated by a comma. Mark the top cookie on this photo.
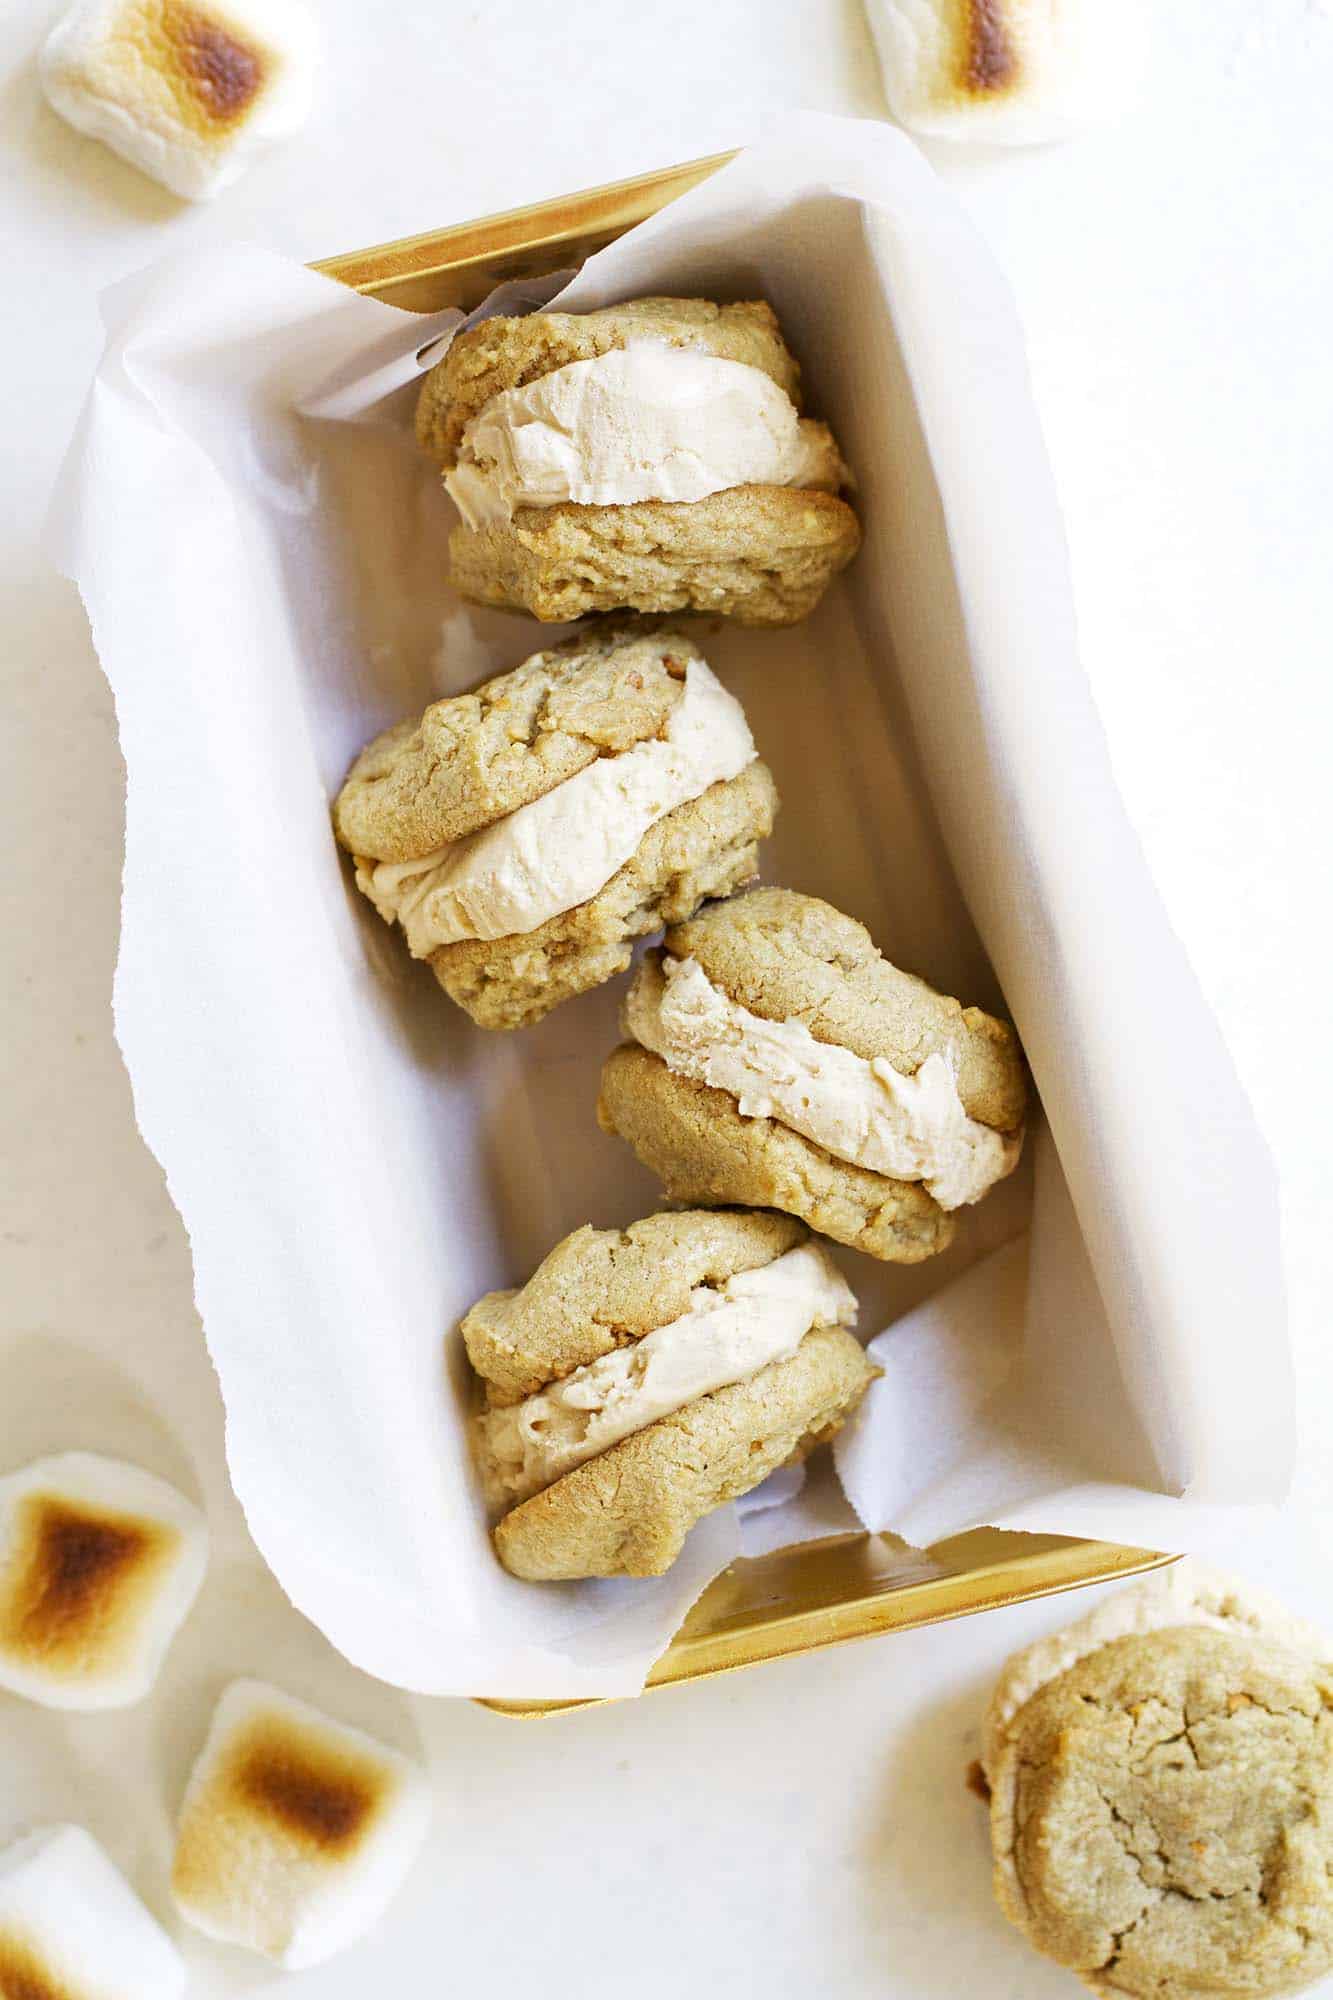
<point>786,956</point>
<point>502,354</point>
<point>1185,1593</point>
<point>475,757</point>
<point>600,1289</point>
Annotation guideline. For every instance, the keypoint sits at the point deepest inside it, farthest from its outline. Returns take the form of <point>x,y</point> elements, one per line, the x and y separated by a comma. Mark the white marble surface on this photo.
<point>804,1826</point>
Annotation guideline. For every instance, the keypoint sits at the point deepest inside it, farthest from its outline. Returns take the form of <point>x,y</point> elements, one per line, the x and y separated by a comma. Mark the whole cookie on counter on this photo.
<point>779,1061</point>
<point>1161,1793</point>
<point>644,1376</point>
<point>650,456</point>
<point>525,834</point>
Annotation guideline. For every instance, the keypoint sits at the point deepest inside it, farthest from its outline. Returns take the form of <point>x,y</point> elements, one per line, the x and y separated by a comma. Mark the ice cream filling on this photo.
<point>730,1332</point>
<point>912,1128</point>
<point>558,851</point>
<point>645,422</point>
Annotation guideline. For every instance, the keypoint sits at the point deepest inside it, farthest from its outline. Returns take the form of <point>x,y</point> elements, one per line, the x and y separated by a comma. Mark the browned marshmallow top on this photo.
<point>80,1581</point>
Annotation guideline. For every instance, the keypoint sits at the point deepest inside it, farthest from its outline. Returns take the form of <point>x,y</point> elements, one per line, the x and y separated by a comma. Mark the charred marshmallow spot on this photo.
<point>990,62</point>
<point>322,1797</point>
<point>82,1577</point>
<point>24,1976</point>
<point>223,74</point>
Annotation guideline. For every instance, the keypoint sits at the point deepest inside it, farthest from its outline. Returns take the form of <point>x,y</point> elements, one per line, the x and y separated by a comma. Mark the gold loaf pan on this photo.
<point>848,1586</point>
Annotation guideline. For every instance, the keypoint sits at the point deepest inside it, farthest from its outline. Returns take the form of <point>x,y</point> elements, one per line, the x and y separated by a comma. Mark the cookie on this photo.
<point>651,457</point>
<point>524,835</point>
<point>475,757</point>
<point>643,1377</point>
<point>1161,1781</point>
<point>778,1059</point>
<point>763,555</point>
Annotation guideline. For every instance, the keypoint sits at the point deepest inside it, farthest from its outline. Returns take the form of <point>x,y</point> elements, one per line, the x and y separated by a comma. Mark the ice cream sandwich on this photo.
<point>650,456</point>
<point>778,1060</point>
<point>522,836</point>
<point>642,1377</point>
<point>296,1831</point>
<point>1161,1792</point>
<point>72,1929</point>
<point>1006,72</point>
<point>189,91</point>
<point>99,1566</point>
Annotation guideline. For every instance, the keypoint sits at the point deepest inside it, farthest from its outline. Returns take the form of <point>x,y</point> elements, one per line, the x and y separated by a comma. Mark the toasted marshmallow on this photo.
<point>72,1929</point>
<point>1006,72</point>
<point>190,91</point>
<point>99,1566</point>
<point>296,1831</point>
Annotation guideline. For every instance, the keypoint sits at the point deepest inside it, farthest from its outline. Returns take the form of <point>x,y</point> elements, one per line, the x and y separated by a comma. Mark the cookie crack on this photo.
<point>1169,1743</point>
<point>1109,1964</point>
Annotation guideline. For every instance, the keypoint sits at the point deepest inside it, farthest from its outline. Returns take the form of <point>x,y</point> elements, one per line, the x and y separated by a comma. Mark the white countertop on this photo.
<point>804,1826</point>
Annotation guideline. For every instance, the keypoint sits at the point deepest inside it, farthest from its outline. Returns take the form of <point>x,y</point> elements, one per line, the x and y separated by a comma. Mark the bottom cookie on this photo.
<point>702,849</point>
<point>705,1152</point>
<point>628,1511</point>
<point>763,555</point>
